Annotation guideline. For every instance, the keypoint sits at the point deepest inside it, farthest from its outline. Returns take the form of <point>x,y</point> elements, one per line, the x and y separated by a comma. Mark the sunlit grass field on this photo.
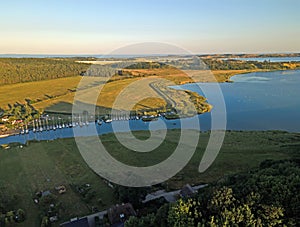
<point>57,95</point>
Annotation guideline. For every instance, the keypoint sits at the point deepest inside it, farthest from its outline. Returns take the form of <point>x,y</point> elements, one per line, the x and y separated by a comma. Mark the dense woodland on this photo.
<point>214,64</point>
<point>251,55</point>
<point>266,196</point>
<point>221,64</point>
<point>18,70</point>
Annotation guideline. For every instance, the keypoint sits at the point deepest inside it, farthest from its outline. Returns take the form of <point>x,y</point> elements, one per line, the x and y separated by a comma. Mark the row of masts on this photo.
<point>52,123</point>
<point>47,124</point>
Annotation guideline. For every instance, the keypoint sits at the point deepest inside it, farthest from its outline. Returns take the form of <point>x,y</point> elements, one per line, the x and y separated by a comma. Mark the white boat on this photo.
<point>108,120</point>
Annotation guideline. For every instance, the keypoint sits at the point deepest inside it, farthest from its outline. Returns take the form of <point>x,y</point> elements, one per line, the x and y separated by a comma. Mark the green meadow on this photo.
<point>44,165</point>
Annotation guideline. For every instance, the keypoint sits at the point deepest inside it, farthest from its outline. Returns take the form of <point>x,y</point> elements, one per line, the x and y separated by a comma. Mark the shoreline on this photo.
<point>141,131</point>
<point>208,108</point>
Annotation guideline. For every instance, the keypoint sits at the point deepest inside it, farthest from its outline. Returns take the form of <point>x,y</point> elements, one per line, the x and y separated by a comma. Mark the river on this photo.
<point>254,101</point>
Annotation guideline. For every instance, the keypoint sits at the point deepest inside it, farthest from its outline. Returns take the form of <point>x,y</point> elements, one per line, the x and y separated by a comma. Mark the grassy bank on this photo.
<point>44,165</point>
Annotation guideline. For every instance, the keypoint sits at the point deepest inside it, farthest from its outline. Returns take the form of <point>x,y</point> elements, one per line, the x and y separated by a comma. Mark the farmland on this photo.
<point>57,95</point>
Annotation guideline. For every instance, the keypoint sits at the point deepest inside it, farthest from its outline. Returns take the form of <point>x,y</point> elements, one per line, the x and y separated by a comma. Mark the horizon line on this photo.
<point>156,54</point>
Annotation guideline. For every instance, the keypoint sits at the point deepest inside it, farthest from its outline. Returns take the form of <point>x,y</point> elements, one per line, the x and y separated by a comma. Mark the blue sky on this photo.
<point>96,27</point>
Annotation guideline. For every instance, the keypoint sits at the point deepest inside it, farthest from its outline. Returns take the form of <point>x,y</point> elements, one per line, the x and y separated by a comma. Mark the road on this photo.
<point>166,97</point>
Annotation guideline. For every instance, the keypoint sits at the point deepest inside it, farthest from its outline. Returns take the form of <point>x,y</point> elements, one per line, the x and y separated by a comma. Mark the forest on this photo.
<point>232,64</point>
<point>264,196</point>
<point>19,70</point>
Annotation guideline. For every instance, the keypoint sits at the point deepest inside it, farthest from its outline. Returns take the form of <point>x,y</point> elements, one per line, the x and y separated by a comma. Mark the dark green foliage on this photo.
<point>24,112</point>
<point>162,215</point>
<point>18,70</point>
<point>147,65</point>
<point>266,196</point>
<point>45,202</point>
<point>2,220</point>
<point>277,182</point>
<point>148,221</point>
<point>45,222</point>
<point>20,214</point>
<point>223,208</point>
<point>130,195</point>
<point>231,64</point>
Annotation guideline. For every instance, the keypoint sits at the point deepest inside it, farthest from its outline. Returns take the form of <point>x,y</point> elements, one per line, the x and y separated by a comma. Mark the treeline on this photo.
<point>20,114</point>
<point>18,70</point>
<point>271,55</point>
<point>266,196</point>
<point>147,65</point>
<point>219,64</point>
<point>183,64</point>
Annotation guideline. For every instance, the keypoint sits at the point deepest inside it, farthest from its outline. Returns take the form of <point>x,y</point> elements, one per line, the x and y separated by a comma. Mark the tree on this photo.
<point>223,209</point>
<point>21,215</point>
<point>265,196</point>
<point>148,221</point>
<point>45,222</point>
<point>162,216</point>
<point>185,213</point>
<point>130,194</point>
<point>18,70</point>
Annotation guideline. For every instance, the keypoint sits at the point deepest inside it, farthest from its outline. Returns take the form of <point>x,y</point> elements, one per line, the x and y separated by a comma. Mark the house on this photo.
<point>5,119</point>
<point>120,72</point>
<point>187,191</point>
<point>118,214</point>
<point>16,122</point>
<point>5,146</point>
<point>76,222</point>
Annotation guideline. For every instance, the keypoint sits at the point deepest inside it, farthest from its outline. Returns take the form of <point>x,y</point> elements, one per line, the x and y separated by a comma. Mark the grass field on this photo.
<point>240,151</point>
<point>57,95</point>
<point>44,165</point>
<point>37,91</point>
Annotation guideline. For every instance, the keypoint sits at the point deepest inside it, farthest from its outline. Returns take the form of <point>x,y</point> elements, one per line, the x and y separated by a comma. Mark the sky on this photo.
<point>102,26</point>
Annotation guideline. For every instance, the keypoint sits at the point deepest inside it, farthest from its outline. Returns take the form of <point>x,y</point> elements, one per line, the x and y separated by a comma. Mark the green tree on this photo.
<point>148,221</point>
<point>21,215</point>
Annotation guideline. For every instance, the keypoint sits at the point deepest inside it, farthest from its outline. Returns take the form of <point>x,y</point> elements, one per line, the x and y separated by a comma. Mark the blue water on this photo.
<point>255,101</point>
<point>87,130</point>
<point>260,101</point>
